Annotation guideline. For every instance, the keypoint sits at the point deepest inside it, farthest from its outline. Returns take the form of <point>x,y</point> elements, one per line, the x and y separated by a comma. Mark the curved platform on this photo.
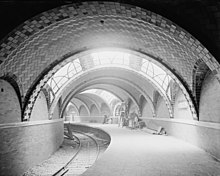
<point>137,153</point>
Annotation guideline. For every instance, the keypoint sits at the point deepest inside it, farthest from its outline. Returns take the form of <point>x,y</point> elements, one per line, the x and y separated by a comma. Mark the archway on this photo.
<point>106,29</point>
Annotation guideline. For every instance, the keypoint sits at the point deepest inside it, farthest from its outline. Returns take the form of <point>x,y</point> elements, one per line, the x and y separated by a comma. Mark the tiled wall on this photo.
<point>46,38</point>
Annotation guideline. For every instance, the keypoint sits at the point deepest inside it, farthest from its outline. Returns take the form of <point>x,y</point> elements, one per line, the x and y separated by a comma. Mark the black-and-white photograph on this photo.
<point>110,88</point>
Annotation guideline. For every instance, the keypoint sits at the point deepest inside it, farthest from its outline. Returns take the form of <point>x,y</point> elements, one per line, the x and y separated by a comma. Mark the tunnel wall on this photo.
<point>26,144</point>
<point>56,112</point>
<point>83,111</point>
<point>94,111</point>
<point>105,110</point>
<point>146,110</point>
<point>133,108</point>
<point>89,119</point>
<point>202,134</point>
<point>40,109</point>
<point>10,110</point>
<point>99,133</point>
<point>210,100</point>
<point>161,109</point>
<point>181,107</point>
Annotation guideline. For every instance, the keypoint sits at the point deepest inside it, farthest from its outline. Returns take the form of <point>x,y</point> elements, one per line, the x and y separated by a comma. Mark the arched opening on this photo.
<point>71,112</point>
<point>117,58</point>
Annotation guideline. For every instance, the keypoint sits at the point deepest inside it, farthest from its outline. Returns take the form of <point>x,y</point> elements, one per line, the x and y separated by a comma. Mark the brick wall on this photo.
<point>210,100</point>
<point>10,110</point>
<point>181,107</point>
<point>26,144</point>
<point>40,109</point>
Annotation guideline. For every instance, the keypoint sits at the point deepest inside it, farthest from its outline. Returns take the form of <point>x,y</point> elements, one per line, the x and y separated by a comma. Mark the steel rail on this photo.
<point>62,171</point>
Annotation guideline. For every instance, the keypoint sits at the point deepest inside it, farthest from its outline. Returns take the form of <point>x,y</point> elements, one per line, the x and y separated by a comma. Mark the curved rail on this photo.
<point>64,169</point>
<point>98,148</point>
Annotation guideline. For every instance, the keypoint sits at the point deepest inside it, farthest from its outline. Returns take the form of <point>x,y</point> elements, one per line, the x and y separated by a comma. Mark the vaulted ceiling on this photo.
<point>39,47</point>
<point>201,18</point>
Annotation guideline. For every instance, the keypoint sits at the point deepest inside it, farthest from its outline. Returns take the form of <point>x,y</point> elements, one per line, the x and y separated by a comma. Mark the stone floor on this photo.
<point>137,153</point>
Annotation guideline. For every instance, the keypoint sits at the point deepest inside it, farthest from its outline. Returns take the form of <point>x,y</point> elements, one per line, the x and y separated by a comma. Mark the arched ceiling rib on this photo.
<point>36,46</point>
<point>194,16</point>
<point>132,83</point>
<point>94,98</point>
<point>117,90</point>
<point>111,58</point>
<point>152,73</point>
<point>117,82</point>
<point>158,37</point>
<point>98,99</point>
<point>79,102</point>
<point>89,101</point>
<point>120,83</point>
<point>74,105</point>
<point>95,78</point>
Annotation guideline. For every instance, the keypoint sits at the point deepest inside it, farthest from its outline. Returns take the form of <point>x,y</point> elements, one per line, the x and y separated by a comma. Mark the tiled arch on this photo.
<point>116,90</point>
<point>93,82</point>
<point>16,84</point>
<point>200,71</point>
<point>46,38</point>
<point>82,104</point>
<point>76,108</point>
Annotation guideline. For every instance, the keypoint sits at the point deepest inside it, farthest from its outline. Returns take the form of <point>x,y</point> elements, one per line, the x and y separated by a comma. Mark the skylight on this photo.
<point>105,95</point>
<point>111,58</point>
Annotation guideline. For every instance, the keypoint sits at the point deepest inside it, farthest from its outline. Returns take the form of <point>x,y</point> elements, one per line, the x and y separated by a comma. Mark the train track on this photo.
<point>87,153</point>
